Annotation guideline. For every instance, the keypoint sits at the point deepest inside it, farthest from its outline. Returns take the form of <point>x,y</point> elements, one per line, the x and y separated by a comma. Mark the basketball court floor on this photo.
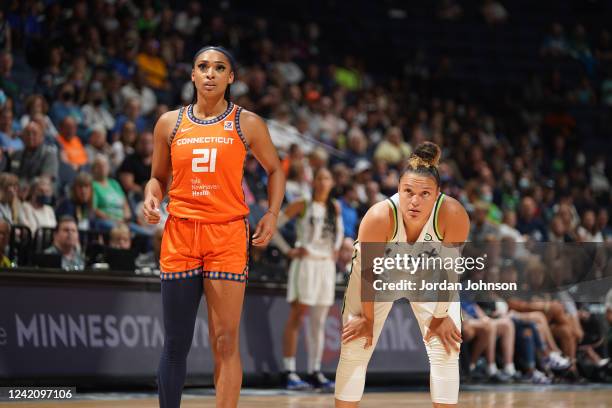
<point>517,396</point>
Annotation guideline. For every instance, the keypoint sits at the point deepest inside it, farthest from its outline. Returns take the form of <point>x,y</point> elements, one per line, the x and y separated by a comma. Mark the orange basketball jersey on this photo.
<point>207,167</point>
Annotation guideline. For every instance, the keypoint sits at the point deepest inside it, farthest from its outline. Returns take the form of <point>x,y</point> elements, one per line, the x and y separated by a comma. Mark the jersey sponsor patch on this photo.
<point>228,125</point>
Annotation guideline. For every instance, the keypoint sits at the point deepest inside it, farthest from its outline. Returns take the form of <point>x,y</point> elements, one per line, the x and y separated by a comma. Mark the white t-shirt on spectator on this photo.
<point>290,71</point>
<point>145,95</point>
<point>586,236</point>
<point>35,218</point>
<point>99,116</point>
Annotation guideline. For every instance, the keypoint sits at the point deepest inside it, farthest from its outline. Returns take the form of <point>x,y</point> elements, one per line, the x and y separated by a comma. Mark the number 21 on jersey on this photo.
<point>204,160</point>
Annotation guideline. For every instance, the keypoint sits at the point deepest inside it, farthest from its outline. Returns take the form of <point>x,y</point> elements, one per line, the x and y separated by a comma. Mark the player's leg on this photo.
<point>225,264</point>
<point>224,299</point>
<point>444,367</point>
<point>181,290</point>
<point>297,311</point>
<point>301,294</point>
<point>180,299</point>
<point>354,358</point>
<point>315,335</point>
<point>315,340</point>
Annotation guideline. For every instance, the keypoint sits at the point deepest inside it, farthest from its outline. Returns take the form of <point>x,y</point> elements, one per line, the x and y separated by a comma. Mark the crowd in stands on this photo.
<point>81,88</point>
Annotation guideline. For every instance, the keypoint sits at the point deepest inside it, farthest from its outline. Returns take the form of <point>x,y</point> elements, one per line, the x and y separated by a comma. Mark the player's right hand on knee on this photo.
<point>150,210</point>
<point>357,328</point>
<point>444,328</point>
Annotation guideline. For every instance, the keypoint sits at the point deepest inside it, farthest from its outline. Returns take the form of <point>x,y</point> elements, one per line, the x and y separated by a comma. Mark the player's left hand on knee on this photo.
<point>265,230</point>
<point>445,329</point>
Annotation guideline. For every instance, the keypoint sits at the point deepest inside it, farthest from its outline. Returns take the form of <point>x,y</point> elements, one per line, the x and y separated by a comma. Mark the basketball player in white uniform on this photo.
<point>312,276</point>
<point>417,213</point>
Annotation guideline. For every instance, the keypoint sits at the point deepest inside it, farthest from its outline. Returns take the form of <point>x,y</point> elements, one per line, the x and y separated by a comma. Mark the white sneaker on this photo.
<point>557,362</point>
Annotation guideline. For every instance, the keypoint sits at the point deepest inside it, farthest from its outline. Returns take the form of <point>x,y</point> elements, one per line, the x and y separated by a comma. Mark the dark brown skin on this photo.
<point>211,75</point>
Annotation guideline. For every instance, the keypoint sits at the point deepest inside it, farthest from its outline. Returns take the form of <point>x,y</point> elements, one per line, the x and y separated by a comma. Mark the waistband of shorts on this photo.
<point>199,221</point>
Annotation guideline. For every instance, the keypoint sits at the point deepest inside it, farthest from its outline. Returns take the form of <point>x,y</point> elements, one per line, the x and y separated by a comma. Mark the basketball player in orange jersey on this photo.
<point>205,242</point>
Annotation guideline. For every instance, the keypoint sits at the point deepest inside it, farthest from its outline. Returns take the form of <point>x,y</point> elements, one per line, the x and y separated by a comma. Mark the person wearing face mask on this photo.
<point>66,105</point>
<point>95,113</point>
<point>38,212</point>
<point>494,214</point>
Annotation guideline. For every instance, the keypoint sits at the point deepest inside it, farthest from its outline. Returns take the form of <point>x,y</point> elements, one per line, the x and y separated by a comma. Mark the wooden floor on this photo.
<point>585,398</point>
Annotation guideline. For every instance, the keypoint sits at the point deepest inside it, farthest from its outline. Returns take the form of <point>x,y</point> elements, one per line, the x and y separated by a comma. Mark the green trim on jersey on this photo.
<point>436,212</point>
<point>394,208</point>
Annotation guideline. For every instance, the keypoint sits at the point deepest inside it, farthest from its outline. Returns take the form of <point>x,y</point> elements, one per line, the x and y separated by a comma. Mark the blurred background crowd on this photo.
<point>517,94</point>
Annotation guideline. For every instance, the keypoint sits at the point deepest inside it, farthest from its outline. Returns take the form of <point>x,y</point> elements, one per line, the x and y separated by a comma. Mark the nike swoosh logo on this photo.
<point>185,130</point>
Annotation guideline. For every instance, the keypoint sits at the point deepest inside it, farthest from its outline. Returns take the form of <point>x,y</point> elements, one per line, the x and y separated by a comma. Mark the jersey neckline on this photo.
<point>219,118</point>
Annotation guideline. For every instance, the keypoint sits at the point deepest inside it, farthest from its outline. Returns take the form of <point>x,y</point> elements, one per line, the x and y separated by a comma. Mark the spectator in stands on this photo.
<point>348,202</point>
<point>36,159</point>
<point>66,105</point>
<point>345,258</point>
<point>5,236</point>
<point>297,187</point>
<point>357,146</point>
<point>9,137</point>
<point>37,211</point>
<point>477,325</point>
<point>588,231</point>
<point>494,12</point>
<point>79,203</point>
<point>549,352</point>
<point>508,227</point>
<point>72,151</point>
<point>560,322</point>
<point>603,224</point>
<point>530,223</point>
<point>66,244</point>
<point>449,10</point>
<point>558,231</point>
<point>555,44</point>
<point>153,66</point>
<point>137,89</point>
<point>135,170</point>
<point>95,112</point>
<point>36,104</point>
<point>124,146</point>
<point>109,202</point>
<point>603,50</point>
<point>7,81</point>
<point>120,237</point>
<point>5,33</point>
<point>11,208</point>
<point>149,261</point>
<point>97,144</point>
<point>373,195</point>
<point>482,230</point>
<point>393,149</point>
<point>131,112</point>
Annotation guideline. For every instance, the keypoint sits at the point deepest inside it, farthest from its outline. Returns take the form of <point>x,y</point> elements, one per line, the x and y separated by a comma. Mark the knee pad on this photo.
<point>444,373</point>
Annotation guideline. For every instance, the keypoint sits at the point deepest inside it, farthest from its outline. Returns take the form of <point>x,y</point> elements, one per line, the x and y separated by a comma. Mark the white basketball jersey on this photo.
<point>430,231</point>
<point>314,234</point>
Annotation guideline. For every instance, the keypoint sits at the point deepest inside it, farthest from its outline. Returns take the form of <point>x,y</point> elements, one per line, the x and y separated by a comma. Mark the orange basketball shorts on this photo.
<point>215,251</point>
